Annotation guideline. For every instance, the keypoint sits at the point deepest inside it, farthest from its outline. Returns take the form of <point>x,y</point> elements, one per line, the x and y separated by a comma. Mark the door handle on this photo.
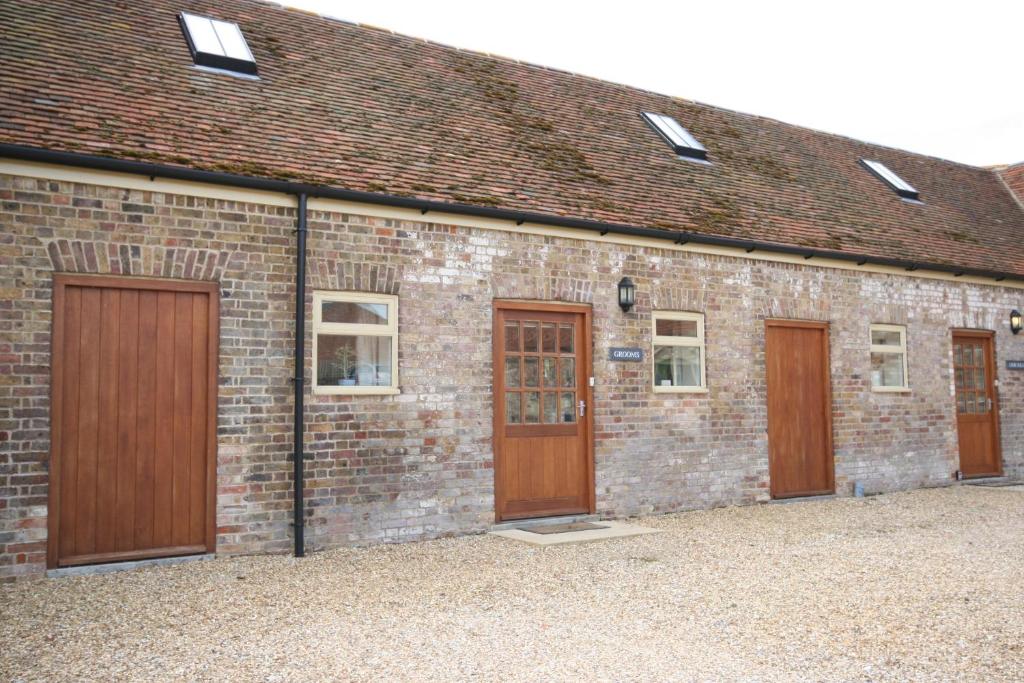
<point>583,407</point>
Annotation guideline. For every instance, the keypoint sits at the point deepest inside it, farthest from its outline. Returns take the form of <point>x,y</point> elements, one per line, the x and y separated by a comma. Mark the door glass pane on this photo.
<point>568,372</point>
<point>961,403</point>
<point>979,356</point>
<point>677,366</point>
<point>512,372</point>
<point>959,379</point>
<point>532,407</point>
<point>550,372</point>
<point>512,336</point>
<point>568,405</point>
<point>979,380</point>
<point>565,338</point>
<point>958,358</point>
<point>531,371</point>
<point>550,407</point>
<point>353,360</point>
<point>512,414</point>
<point>549,333</point>
<point>353,312</point>
<point>531,341</point>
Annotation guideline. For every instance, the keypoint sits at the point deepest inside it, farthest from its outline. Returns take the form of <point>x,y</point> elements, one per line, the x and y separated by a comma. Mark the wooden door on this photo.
<point>133,429</point>
<point>977,407</point>
<point>542,415</point>
<point>799,408</point>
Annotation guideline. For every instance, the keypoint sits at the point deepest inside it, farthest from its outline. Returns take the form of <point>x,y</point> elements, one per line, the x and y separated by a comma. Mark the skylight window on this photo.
<point>899,185</point>
<point>682,142</point>
<point>218,44</point>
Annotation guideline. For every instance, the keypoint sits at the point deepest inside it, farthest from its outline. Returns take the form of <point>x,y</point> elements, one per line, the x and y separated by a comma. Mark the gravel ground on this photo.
<point>926,585</point>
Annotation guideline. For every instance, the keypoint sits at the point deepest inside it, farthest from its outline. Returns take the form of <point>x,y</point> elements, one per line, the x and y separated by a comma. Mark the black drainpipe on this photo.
<point>300,372</point>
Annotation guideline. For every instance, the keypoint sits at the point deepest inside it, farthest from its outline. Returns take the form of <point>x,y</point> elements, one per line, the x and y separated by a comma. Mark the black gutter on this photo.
<point>299,523</point>
<point>424,206</point>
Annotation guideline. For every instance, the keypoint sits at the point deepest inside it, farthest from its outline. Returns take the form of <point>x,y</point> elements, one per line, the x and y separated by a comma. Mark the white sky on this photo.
<point>939,78</point>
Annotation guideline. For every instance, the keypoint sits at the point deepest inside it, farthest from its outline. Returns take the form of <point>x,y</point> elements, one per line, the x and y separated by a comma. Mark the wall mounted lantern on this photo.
<point>1016,320</point>
<point>627,294</point>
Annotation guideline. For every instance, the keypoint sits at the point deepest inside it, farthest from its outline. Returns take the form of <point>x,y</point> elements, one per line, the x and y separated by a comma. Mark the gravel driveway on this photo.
<point>926,585</point>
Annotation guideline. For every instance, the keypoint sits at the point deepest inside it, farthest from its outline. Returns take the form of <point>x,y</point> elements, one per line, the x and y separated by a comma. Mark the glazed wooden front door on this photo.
<point>542,419</point>
<point>133,434</point>
<point>799,409</point>
<point>977,408</point>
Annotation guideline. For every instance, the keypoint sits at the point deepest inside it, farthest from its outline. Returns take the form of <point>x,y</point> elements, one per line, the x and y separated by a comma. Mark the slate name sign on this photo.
<point>620,354</point>
<point>1015,365</point>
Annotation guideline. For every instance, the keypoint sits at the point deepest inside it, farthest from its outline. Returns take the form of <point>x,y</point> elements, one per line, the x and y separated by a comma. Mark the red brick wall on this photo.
<point>419,464</point>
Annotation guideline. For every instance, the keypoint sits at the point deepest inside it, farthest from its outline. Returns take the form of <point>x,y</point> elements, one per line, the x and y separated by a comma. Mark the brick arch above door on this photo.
<point>111,258</point>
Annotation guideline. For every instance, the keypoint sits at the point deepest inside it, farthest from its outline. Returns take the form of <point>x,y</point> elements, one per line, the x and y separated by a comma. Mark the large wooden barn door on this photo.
<point>133,433</point>
<point>542,417</point>
<point>799,408</point>
<point>977,407</point>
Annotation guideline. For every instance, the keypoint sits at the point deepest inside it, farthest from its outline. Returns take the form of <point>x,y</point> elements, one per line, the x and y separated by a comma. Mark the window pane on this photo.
<point>512,337</point>
<point>231,38</point>
<point>550,407</point>
<point>512,372</point>
<point>354,312</point>
<point>531,339</point>
<point>345,360</point>
<point>887,370</point>
<point>568,407</point>
<point>532,400</point>
<point>885,337</point>
<point>568,372</point>
<point>565,338</point>
<point>675,328</point>
<point>549,334</point>
<point>512,414</point>
<point>677,366</point>
<point>550,372</point>
<point>531,371</point>
<point>203,35</point>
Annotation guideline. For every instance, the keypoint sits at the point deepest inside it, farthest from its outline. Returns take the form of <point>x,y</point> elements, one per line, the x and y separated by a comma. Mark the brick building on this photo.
<point>523,293</point>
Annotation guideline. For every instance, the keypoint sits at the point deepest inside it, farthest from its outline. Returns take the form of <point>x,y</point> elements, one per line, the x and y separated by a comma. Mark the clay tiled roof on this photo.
<point>365,109</point>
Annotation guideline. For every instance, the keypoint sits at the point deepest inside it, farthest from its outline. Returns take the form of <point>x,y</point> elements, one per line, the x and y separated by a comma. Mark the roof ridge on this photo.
<point>604,81</point>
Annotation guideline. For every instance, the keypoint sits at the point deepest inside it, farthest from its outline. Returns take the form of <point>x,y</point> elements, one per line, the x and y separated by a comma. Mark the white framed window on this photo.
<point>355,343</point>
<point>677,355</point>
<point>889,358</point>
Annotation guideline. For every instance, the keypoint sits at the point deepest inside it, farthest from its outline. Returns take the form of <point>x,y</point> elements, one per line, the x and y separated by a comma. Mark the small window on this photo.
<point>889,358</point>
<point>899,185</point>
<point>217,44</point>
<point>678,352</point>
<point>355,343</point>
<point>682,142</point>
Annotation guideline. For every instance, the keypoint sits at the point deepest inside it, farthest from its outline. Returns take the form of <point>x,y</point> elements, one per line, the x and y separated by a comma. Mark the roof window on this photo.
<point>682,142</point>
<point>899,185</point>
<point>217,44</point>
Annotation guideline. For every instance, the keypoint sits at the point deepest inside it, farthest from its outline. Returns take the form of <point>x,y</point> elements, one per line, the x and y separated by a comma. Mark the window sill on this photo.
<point>680,390</point>
<point>891,390</point>
<point>355,391</point>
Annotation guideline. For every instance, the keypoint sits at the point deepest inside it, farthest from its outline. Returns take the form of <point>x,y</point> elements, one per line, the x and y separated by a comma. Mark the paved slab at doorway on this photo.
<point>608,531</point>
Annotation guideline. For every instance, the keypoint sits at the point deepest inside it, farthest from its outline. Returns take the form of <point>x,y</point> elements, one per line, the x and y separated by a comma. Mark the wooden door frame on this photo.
<point>61,281</point>
<point>498,386</point>
<point>990,359</point>
<point>825,327</point>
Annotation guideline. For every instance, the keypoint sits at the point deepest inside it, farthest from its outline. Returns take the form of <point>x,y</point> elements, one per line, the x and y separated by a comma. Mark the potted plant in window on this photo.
<point>346,358</point>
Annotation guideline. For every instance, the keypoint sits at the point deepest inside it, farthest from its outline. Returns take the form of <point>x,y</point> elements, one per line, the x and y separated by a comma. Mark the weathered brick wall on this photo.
<point>419,464</point>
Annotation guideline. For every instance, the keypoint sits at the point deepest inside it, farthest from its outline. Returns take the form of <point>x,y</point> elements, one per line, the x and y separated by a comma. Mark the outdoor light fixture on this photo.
<point>1016,320</point>
<point>627,294</point>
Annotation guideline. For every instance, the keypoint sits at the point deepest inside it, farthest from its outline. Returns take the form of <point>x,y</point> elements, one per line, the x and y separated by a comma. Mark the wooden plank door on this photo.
<point>133,430</point>
<point>977,406</point>
<point>799,408</point>
<point>542,417</point>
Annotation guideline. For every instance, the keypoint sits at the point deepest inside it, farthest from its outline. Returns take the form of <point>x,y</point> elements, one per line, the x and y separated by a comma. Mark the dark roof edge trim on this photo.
<point>424,205</point>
